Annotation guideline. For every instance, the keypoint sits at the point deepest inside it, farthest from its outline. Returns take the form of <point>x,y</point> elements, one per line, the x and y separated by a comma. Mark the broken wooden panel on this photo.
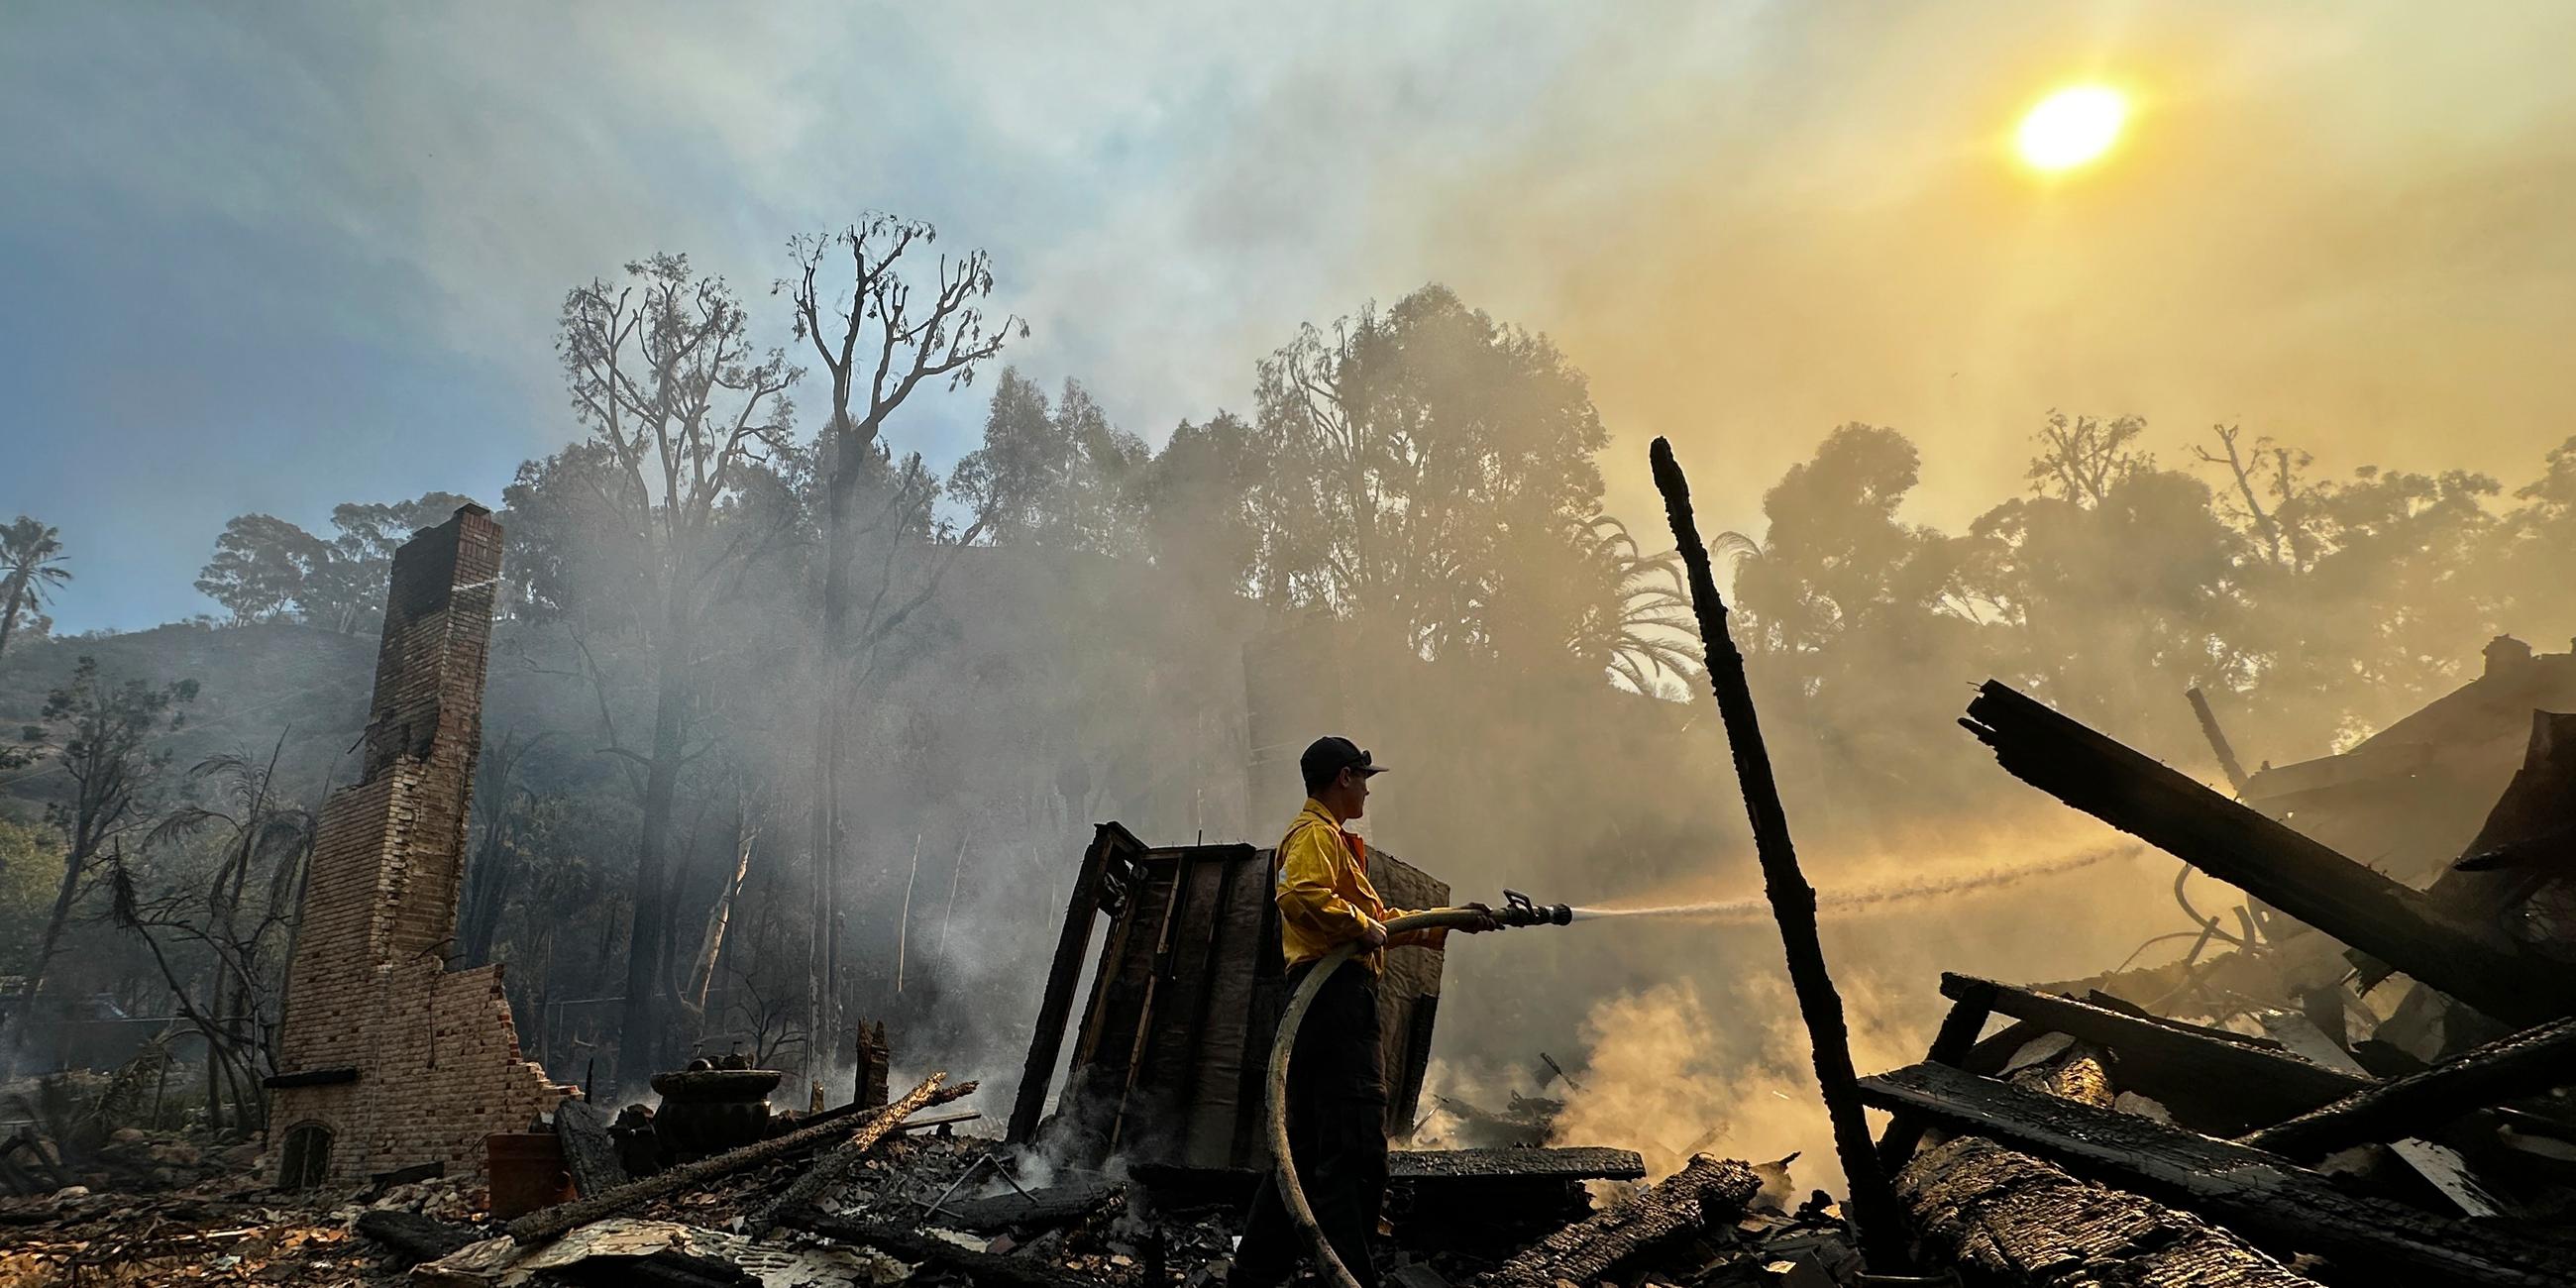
<point>2267,859</point>
<point>2006,1217</point>
<point>1185,999</point>
<point>2267,1199</point>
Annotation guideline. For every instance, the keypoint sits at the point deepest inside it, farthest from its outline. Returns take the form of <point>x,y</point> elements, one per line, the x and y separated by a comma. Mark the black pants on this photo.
<point>1336,1129</point>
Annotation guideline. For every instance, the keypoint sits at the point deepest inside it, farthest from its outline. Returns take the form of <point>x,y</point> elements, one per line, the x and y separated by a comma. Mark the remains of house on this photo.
<point>2359,1083</point>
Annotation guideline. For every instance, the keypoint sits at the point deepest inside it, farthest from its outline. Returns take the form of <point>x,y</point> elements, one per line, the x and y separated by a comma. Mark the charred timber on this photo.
<point>589,1152</point>
<point>1793,901</point>
<point>2267,859</point>
<point>2232,1081</point>
<point>554,1221</point>
<point>2527,1063</point>
<point>415,1238</point>
<point>835,1168</point>
<point>1608,1245</point>
<point>1577,1163</point>
<point>2009,1218</point>
<point>915,1246</point>
<point>2371,1242</point>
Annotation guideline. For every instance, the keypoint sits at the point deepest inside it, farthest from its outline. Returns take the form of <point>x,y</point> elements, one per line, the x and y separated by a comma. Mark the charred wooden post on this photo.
<point>1793,901</point>
<point>2286,1208</point>
<point>1950,1046</point>
<point>868,1087</point>
<point>1609,1244</point>
<point>1046,1039</point>
<point>835,1167</point>
<point>2266,859</point>
<point>2227,763</point>
<point>2527,1063</point>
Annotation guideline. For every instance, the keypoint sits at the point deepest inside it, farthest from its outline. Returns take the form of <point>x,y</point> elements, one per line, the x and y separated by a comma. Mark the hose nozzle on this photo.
<point>1517,910</point>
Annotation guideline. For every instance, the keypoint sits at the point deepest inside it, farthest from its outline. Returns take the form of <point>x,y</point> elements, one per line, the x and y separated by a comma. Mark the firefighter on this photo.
<point>1336,1078</point>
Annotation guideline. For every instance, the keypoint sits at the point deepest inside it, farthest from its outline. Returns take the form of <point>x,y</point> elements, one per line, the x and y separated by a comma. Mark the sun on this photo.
<point>2071,127</point>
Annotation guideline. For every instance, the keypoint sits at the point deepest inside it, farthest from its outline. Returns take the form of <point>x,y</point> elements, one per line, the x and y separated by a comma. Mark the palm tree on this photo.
<point>1643,627</point>
<point>31,565</point>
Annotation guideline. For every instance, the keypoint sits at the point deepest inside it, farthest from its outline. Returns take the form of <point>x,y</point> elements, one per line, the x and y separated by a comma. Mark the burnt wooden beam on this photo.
<point>913,1245</point>
<point>2527,1063</point>
<point>1055,1008</point>
<point>1950,1046</point>
<point>2371,1242</point>
<point>547,1223</point>
<point>2265,858</point>
<point>834,1168</point>
<point>1792,899</point>
<point>1573,1163</point>
<point>415,1237</point>
<point>2008,1218</point>
<point>2232,1081</point>
<point>1609,1244</point>
<point>2227,762</point>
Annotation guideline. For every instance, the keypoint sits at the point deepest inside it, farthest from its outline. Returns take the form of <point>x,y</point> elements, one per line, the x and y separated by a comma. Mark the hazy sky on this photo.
<point>273,257</point>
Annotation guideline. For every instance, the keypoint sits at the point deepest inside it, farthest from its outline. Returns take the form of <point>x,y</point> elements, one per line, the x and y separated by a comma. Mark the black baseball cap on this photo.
<point>1330,755</point>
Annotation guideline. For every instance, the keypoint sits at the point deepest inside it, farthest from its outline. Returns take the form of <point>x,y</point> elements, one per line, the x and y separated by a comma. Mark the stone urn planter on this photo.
<point>709,1111</point>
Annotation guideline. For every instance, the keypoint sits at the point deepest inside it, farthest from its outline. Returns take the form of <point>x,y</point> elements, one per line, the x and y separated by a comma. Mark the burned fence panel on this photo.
<point>1184,1000</point>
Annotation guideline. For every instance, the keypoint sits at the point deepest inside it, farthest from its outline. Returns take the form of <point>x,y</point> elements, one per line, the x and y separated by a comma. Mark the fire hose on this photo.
<point>1517,910</point>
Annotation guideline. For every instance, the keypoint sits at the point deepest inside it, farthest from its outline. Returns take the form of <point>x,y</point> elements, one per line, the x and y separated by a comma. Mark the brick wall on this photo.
<point>436,1054</point>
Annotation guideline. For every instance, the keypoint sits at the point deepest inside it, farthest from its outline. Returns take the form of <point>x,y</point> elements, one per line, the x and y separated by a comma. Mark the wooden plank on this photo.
<point>1951,1045</point>
<point>1055,1008</point>
<point>1575,1163</point>
<point>2532,1061</point>
<point>2439,1165</point>
<point>1172,884</point>
<point>2372,1242</point>
<point>1225,1032</point>
<point>2215,1084</point>
<point>2265,858</point>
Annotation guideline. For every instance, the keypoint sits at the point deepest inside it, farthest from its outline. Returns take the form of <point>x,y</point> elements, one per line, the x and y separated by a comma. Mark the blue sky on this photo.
<point>273,257</point>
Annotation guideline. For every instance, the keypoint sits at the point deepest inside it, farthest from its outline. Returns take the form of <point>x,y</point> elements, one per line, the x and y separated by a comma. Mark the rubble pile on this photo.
<point>2368,1084</point>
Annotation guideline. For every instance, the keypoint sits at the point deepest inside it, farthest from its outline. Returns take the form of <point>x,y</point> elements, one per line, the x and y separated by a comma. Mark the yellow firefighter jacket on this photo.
<point>1325,899</point>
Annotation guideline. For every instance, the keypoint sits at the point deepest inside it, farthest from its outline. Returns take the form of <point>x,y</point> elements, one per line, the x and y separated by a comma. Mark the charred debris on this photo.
<point>2358,1082</point>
